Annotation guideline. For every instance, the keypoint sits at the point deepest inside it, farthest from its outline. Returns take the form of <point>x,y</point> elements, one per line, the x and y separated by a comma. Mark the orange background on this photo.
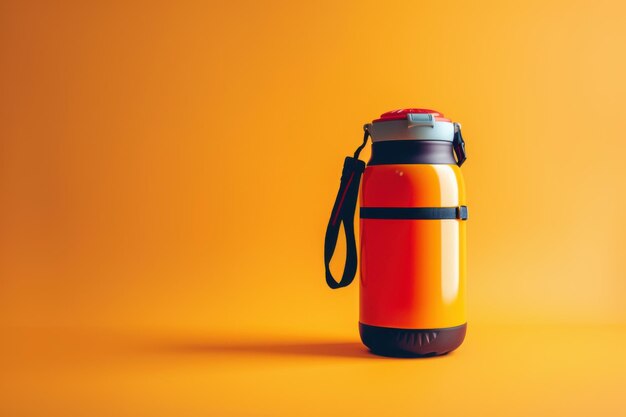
<point>168,170</point>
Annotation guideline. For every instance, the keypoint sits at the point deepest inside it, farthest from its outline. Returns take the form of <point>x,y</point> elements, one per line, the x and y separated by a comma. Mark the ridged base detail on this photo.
<point>387,341</point>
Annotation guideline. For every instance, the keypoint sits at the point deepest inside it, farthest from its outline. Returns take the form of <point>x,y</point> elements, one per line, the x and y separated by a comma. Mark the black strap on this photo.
<point>343,212</point>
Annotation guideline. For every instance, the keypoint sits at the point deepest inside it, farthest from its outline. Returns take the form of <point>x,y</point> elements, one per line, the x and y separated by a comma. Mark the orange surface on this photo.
<point>413,272</point>
<point>169,169</point>
<point>511,371</point>
<point>415,185</point>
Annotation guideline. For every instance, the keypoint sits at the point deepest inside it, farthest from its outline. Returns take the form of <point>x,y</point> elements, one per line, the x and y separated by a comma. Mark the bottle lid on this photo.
<point>412,124</point>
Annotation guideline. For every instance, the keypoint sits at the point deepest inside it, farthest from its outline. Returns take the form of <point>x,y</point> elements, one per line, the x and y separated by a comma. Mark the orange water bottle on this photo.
<point>413,219</point>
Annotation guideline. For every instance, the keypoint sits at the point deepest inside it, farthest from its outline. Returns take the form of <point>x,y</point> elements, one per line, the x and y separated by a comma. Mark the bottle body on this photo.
<point>413,266</point>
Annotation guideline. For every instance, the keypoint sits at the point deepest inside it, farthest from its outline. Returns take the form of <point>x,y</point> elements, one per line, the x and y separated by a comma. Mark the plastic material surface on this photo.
<point>412,124</point>
<point>412,271</point>
<point>412,152</point>
<point>401,114</point>
<point>411,343</point>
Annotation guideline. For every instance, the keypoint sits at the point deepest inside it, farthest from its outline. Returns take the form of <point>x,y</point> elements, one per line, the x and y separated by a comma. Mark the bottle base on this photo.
<point>387,341</point>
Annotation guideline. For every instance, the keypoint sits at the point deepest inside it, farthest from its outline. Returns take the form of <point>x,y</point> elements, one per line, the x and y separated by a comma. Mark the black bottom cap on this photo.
<point>387,341</point>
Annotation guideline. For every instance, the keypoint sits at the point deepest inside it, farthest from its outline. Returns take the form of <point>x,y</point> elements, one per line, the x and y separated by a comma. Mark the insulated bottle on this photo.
<point>413,223</point>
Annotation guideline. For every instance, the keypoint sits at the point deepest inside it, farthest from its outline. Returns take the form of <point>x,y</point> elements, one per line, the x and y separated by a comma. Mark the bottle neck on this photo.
<point>412,152</point>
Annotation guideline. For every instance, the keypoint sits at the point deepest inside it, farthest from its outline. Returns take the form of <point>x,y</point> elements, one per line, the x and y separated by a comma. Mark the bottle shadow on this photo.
<point>303,349</point>
<point>323,349</point>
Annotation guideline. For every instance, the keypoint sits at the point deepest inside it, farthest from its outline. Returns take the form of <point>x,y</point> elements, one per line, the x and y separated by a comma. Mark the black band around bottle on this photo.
<point>415,213</point>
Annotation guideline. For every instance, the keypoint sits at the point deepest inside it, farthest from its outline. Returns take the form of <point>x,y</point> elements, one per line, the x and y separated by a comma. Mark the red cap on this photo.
<point>401,114</point>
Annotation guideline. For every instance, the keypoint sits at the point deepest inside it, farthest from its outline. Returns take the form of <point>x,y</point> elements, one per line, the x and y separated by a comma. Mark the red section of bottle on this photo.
<point>400,114</point>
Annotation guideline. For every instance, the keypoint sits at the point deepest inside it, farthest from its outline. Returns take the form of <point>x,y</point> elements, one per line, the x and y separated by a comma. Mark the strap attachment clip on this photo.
<point>459,145</point>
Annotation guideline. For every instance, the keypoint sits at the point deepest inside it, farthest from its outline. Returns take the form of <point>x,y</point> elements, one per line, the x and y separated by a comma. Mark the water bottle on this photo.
<point>413,216</point>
